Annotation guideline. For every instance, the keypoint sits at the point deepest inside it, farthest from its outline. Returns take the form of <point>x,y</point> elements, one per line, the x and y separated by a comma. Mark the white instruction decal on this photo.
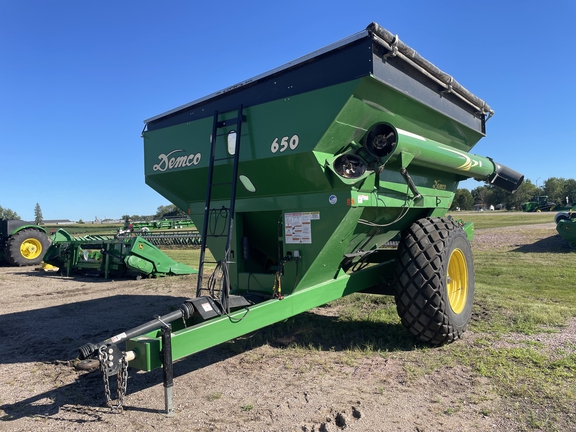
<point>298,226</point>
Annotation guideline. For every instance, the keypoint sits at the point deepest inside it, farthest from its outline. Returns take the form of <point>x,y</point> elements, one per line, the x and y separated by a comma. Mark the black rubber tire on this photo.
<point>14,255</point>
<point>563,215</point>
<point>422,297</point>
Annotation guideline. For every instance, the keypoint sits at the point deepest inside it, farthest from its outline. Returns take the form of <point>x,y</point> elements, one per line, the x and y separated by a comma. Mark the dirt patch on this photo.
<point>46,317</point>
<point>522,238</point>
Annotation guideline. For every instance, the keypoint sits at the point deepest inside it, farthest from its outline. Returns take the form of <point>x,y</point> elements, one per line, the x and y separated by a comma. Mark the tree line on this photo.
<point>162,212</point>
<point>168,211</point>
<point>6,213</point>
<point>559,190</point>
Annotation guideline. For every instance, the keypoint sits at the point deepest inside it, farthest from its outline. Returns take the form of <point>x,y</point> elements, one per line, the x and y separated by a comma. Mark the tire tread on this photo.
<point>419,300</point>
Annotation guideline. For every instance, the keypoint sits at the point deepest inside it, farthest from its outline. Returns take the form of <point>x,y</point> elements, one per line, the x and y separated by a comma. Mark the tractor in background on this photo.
<point>22,243</point>
<point>26,244</point>
<point>542,203</point>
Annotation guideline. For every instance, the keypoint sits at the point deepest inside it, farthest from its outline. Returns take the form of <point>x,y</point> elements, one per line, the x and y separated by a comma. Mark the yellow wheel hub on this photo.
<point>457,281</point>
<point>31,248</point>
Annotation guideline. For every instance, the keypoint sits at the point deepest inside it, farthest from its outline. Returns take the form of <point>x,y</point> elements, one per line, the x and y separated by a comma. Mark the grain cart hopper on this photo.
<point>327,176</point>
<point>22,243</point>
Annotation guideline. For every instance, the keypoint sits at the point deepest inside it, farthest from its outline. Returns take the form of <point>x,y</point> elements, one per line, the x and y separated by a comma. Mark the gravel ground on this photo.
<point>46,317</point>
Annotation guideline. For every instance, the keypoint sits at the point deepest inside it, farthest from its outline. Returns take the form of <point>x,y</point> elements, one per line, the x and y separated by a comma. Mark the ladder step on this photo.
<point>229,122</point>
<point>224,290</point>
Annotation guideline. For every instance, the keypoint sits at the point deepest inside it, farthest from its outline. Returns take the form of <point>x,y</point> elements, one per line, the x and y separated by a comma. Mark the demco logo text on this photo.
<point>168,161</point>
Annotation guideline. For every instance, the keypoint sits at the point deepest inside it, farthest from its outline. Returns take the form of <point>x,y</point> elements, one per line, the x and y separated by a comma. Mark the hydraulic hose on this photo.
<point>186,310</point>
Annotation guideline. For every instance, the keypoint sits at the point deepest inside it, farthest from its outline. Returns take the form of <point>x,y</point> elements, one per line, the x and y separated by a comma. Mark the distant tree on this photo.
<point>557,190</point>
<point>498,197</point>
<point>462,200</point>
<point>169,211</point>
<point>560,190</point>
<point>38,219</point>
<point>554,188</point>
<point>570,191</point>
<point>138,218</point>
<point>8,214</point>
<point>525,192</point>
<point>482,195</point>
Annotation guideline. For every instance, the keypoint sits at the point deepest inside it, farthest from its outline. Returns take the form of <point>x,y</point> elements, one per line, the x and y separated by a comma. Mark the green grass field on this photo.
<point>524,293</point>
<point>498,219</point>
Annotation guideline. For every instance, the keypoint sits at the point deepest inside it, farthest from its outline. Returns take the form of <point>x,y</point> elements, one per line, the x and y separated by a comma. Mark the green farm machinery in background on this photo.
<point>543,204</point>
<point>110,256</point>
<point>22,243</point>
<point>327,176</point>
<point>166,224</point>
<point>166,237</point>
<point>163,224</point>
<point>164,232</point>
<point>566,226</point>
<point>133,250</point>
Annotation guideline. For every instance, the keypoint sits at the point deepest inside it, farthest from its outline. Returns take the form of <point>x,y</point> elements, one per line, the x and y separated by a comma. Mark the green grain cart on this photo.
<point>324,177</point>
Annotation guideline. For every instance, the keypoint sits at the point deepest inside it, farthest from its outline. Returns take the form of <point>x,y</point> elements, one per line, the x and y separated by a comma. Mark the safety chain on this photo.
<point>122,377</point>
<point>277,288</point>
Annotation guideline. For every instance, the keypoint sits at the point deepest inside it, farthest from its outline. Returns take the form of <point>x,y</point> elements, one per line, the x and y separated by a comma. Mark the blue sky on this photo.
<point>78,78</point>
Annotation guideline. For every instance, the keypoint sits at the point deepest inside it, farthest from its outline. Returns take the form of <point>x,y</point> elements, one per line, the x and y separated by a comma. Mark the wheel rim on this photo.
<point>457,281</point>
<point>31,248</point>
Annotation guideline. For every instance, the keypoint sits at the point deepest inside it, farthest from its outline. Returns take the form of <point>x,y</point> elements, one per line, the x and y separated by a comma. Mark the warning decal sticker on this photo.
<point>298,227</point>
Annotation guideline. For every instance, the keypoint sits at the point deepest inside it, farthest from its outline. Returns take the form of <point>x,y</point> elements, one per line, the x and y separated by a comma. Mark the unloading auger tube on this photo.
<point>396,146</point>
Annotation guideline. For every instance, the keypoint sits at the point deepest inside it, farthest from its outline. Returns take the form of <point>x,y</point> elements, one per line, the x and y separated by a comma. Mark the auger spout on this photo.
<point>395,148</point>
